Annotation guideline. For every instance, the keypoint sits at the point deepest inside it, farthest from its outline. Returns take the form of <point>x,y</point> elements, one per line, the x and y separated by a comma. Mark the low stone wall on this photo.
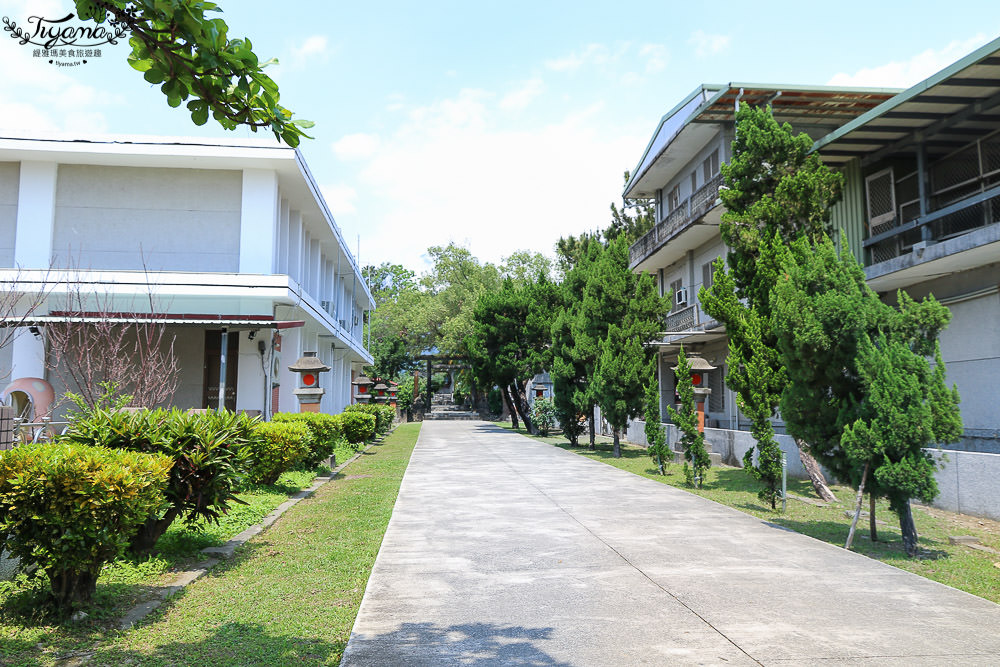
<point>967,480</point>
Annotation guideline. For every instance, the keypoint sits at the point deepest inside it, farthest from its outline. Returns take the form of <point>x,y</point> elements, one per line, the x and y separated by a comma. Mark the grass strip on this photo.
<point>967,569</point>
<point>291,594</point>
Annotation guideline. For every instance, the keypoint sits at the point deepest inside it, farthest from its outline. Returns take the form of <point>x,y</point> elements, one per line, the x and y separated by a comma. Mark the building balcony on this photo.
<point>686,227</point>
<point>690,325</point>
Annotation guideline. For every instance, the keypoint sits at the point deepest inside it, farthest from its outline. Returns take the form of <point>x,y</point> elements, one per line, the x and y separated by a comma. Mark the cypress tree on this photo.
<point>692,441</point>
<point>656,437</point>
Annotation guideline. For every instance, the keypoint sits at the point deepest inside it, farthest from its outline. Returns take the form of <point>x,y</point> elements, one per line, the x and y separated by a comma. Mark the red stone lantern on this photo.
<point>309,392</point>
<point>699,368</point>
<point>363,394</point>
<point>379,392</point>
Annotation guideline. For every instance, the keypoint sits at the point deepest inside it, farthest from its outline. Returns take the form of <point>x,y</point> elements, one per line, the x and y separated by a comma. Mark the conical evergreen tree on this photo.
<point>692,441</point>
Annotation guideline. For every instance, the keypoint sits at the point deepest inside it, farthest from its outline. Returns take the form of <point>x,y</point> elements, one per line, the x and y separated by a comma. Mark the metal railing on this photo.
<point>677,220</point>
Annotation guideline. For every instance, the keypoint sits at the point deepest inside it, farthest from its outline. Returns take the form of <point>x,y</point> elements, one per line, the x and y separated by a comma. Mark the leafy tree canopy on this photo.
<point>178,46</point>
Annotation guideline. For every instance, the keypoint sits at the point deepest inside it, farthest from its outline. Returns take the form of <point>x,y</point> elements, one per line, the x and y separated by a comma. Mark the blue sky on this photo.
<point>497,125</point>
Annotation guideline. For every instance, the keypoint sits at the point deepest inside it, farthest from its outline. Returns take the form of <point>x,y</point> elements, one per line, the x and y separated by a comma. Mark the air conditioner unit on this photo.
<point>681,296</point>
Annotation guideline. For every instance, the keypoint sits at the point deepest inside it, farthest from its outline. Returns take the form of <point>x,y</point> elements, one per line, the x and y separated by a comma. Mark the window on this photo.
<point>694,181</point>
<point>707,274</point>
<point>710,167</point>
<point>675,287</point>
<point>881,195</point>
<point>674,198</point>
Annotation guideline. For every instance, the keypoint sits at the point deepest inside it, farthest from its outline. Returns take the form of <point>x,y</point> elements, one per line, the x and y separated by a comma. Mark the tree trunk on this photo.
<point>617,448</point>
<point>521,403</point>
<point>815,473</point>
<point>872,530</point>
<point>144,541</point>
<point>510,406</point>
<point>857,508</point>
<point>71,589</point>
<point>908,529</point>
<point>593,429</point>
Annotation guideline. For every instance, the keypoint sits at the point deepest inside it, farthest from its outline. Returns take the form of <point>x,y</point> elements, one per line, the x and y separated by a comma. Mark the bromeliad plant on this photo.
<point>206,450</point>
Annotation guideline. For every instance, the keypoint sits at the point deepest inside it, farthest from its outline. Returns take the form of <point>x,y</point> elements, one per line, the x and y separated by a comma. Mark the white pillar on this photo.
<point>291,350</point>
<point>294,245</point>
<point>315,270</point>
<point>283,237</point>
<point>259,221</point>
<point>36,208</point>
<point>27,356</point>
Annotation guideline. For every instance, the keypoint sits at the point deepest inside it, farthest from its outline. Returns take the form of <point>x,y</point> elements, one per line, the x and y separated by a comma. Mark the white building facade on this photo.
<point>230,240</point>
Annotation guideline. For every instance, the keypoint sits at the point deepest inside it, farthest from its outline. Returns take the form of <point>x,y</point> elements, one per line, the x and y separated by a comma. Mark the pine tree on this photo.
<point>859,386</point>
<point>776,191</point>
<point>656,437</point>
<point>692,441</point>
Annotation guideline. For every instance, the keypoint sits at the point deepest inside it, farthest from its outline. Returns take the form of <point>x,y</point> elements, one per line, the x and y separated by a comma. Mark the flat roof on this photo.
<point>944,111</point>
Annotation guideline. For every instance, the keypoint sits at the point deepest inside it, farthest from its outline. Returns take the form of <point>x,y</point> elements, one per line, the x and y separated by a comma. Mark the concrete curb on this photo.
<point>218,554</point>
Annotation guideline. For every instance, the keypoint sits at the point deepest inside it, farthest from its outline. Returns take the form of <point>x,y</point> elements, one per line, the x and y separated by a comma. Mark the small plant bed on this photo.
<point>970,570</point>
<point>291,594</point>
<point>126,582</point>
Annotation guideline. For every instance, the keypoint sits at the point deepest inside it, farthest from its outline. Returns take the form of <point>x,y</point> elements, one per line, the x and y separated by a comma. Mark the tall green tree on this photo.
<point>776,191</point>
<point>656,437</point>
<point>692,440</point>
<point>511,337</point>
<point>859,385</point>
<point>181,48</point>
<point>621,314</point>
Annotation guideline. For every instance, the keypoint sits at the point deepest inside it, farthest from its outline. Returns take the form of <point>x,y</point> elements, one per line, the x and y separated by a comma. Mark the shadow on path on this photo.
<point>473,643</point>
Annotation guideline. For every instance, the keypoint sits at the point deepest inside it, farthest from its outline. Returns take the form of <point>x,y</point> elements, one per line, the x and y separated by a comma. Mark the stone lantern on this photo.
<point>379,392</point>
<point>699,368</point>
<point>363,393</point>
<point>393,390</point>
<point>309,392</point>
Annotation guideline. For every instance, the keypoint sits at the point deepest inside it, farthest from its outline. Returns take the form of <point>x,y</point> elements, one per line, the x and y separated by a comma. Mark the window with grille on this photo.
<point>710,167</point>
<point>674,198</point>
<point>717,399</point>
<point>881,194</point>
<point>707,274</point>
<point>694,181</point>
<point>675,286</point>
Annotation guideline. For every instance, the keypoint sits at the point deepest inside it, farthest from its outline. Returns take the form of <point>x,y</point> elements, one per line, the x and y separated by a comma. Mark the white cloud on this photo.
<point>356,146</point>
<point>520,98</point>
<point>592,54</point>
<point>454,171</point>
<point>310,50</point>
<point>905,73</point>
<point>340,198</point>
<point>707,44</point>
<point>656,57</point>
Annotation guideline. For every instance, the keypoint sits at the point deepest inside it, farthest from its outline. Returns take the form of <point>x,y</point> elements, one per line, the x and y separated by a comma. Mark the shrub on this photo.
<point>325,430</point>
<point>494,400</point>
<point>70,508</point>
<point>278,446</point>
<point>543,415</point>
<point>384,414</point>
<point>358,427</point>
<point>206,450</point>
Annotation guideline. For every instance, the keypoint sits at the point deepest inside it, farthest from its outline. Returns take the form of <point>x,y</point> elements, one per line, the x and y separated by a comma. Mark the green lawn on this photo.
<point>964,568</point>
<point>29,638</point>
<point>291,595</point>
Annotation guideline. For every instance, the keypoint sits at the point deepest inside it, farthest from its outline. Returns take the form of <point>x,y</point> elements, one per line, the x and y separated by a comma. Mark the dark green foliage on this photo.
<point>495,401</point>
<point>383,413</point>
<point>859,383</point>
<point>511,338</point>
<point>656,437</point>
<point>358,427</point>
<point>71,508</point>
<point>325,432</point>
<point>279,446</point>
<point>190,55</point>
<point>692,441</point>
<point>543,414</point>
<point>206,450</point>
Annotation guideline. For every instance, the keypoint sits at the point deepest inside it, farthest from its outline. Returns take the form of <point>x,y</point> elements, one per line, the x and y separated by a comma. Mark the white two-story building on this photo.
<point>232,239</point>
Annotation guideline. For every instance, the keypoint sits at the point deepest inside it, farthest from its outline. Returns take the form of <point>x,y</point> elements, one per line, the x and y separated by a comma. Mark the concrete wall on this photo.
<point>10,175</point>
<point>967,482</point>
<point>178,219</point>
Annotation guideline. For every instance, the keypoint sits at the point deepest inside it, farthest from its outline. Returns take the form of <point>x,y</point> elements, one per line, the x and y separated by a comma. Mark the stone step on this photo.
<point>453,416</point>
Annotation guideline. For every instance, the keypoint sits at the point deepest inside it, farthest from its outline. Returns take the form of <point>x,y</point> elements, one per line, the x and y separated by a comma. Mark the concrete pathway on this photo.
<point>502,550</point>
